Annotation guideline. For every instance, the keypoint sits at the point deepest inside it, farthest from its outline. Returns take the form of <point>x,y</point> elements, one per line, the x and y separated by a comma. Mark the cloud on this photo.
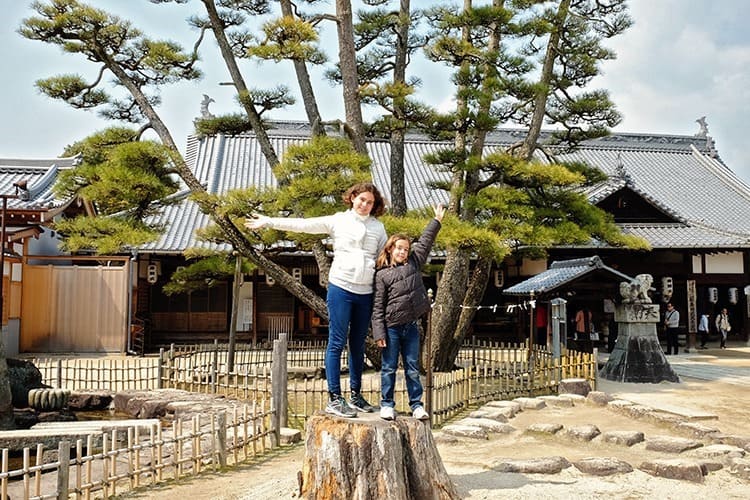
<point>681,60</point>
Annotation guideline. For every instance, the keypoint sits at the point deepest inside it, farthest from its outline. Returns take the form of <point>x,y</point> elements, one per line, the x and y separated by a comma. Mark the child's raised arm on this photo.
<point>439,212</point>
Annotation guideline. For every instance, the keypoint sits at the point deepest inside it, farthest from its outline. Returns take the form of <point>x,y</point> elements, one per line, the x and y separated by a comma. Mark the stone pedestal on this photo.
<point>637,356</point>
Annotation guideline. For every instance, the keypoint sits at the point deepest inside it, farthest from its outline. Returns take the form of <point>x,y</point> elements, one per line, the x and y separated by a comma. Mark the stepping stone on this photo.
<point>443,438</point>
<point>531,403</point>
<point>469,431</point>
<point>619,404</point>
<point>497,414</point>
<point>720,450</point>
<point>487,424</point>
<point>557,401</point>
<point>694,429</point>
<point>637,411</point>
<point>732,439</point>
<point>574,386</point>
<point>577,399</point>
<point>543,465</point>
<point>691,414</point>
<point>544,428</point>
<point>585,432</point>
<point>669,444</point>
<point>598,398</point>
<point>624,438</point>
<point>676,468</point>
<point>660,417</point>
<point>289,436</point>
<point>603,466</point>
<point>740,467</point>
<point>510,406</point>
<point>49,434</point>
<point>711,465</point>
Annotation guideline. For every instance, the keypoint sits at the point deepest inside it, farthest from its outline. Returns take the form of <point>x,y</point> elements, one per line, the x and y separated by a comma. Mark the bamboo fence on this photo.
<point>110,463</point>
<point>487,371</point>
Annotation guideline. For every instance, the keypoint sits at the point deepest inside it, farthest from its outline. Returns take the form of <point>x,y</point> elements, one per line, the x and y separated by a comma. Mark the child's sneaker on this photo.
<point>337,406</point>
<point>359,403</point>
<point>420,413</point>
<point>387,413</point>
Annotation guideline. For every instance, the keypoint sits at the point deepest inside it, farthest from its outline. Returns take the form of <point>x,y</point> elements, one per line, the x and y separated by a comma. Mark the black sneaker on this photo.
<point>358,402</point>
<point>337,406</point>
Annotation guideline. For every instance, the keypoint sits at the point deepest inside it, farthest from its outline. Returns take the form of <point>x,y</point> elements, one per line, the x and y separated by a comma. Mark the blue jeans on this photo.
<point>348,316</point>
<point>404,340</point>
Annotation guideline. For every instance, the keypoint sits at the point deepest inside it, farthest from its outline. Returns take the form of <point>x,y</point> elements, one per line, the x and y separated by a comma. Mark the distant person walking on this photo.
<point>703,330</point>
<point>722,324</point>
<point>583,324</point>
<point>671,324</point>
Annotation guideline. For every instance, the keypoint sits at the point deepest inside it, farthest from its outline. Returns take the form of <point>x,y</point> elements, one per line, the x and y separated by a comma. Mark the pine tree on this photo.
<point>519,200</point>
<point>140,65</point>
<point>525,62</point>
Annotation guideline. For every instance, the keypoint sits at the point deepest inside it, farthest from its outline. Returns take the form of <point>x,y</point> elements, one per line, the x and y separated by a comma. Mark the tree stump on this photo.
<point>367,458</point>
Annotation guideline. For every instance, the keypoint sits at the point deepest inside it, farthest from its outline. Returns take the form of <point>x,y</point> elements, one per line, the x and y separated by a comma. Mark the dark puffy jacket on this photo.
<point>400,295</point>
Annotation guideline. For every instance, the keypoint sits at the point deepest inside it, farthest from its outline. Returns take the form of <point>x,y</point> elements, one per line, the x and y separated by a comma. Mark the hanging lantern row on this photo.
<point>732,294</point>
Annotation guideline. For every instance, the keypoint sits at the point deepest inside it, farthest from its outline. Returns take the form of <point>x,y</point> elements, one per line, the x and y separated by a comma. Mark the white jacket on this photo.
<point>357,241</point>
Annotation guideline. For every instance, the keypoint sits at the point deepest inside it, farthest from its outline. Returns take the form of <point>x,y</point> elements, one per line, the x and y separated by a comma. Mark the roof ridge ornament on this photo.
<point>703,132</point>
<point>620,170</point>
<point>205,113</point>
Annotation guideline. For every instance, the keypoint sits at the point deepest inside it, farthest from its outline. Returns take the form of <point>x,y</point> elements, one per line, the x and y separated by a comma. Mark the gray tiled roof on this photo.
<point>560,273</point>
<point>677,174</point>
<point>181,221</point>
<point>680,175</point>
<point>40,176</point>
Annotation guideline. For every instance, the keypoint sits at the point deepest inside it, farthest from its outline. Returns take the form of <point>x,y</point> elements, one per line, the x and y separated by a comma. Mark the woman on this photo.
<point>357,237</point>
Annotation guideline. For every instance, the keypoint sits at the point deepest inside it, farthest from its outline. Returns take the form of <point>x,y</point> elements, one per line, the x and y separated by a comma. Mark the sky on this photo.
<point>682,59</point>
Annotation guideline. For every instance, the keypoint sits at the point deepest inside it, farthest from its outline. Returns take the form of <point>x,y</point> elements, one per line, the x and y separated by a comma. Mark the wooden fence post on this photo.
<point>215,367</point>
<point>160,370</point>
<point>170,367</point>
<point>279,401</point>
<point>532,363</point>
<point>221,438</point>
<point>473,350</point>
<point>595,361</point>
<point>58,375</point>
<point>63,473</point>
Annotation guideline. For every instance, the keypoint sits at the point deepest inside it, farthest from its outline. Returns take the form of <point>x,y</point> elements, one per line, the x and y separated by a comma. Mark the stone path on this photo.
<point>707,364</point>
<point>704,370</point>
<point>689,448</point>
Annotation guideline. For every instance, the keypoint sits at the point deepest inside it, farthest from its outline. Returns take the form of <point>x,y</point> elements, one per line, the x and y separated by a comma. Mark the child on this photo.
<point>400,300</point>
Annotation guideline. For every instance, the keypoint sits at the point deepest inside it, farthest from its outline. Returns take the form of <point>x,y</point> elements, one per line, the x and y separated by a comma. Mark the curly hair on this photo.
<point>378,207</point>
